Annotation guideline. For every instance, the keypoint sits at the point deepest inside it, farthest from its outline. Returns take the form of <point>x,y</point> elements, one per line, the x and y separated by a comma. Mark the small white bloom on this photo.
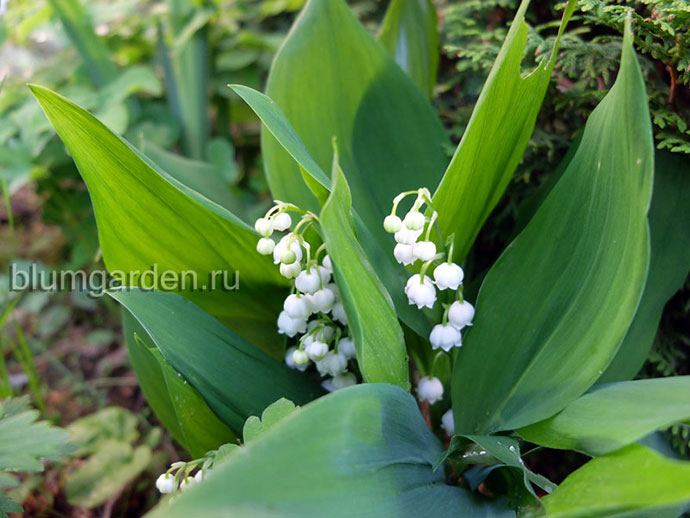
<point>338,313</point>
<point>327,263</point>
<point>461,314</point>
<point>290,271</point>
<point>332,364</point>
<point>448,275</point>
<point>325,274</point>
<point>325,332</point>
<point>346,347</point>
<point>392,224</point>
<point>308,281</point>
<point>414,220</point>
<point>166,483</point>
<point>424,250</point>
<point>263,226</point>
<point>421,292</point>
<point>407,236</point>
<point>297,306</point>
<point>300,359</point>
<point>288,257</point>
<point>445,337</point>
<point>265,246</point>
<point>202,474</point>
<point>323,300</point>
<point>430,389</point>
<point>404,254</point>
<point>282,246</point>
<point>343,380</point>
<point>290,359</point>
<point>316,350</point>
<point>447,422</point>
<point>327,384</point>
<point>282,222</point>
<point>187,483</point>
<point>290,326</point>
<point>334,288</point>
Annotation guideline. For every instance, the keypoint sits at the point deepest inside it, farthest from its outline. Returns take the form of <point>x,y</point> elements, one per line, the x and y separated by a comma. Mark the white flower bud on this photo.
<point>323,300</point>
<point>290,271</point>
<point>316,350</point>
<point>445,337</point>
<point>290,326</point>
<point>327,263</point>
<point>338,313</point>
<point>430,389</point>
<point>282,246</point>
<point>263,226</point>
<point>332,364</point>
<point>187,483</point>
<point>424,250</point>
<point>300,359</point>
<point>327,384</point>
<point>325,332</point>
<point>265,246</point>
<point>334,288</point>
<point>461,314</point>
<point>414,220</point>
<point>421,292</point>
<point>308,281</point>
<point>392,224</point>
<point>288,257</point>
<point>448,275</point>
<point>447,422</point>
<point>407,236</point>
<point>297,306</point>
<point>343,380</point>
<point>404,254</point>
<point>346,347</point>
<point>282,222</point>
<point>166,483</point>
<point>201,474</point>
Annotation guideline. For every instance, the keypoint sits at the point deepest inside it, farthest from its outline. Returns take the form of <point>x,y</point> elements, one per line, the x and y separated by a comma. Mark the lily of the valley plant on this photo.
<point>420,381</point>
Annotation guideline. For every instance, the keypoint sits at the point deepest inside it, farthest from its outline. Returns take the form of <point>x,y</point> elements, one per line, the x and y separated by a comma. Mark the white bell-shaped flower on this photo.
<point>430,389</point>
<point>405,236</point>
<point>392,224</point>
<point>448,276</point>
<point>343,380</point>
<point>290,326</point>
<point>282,222</point>
<point>283,246</point>
<point>414,220</point>
<point>290,271</point>
<point>447,422</point>
<point>346,347</point>
<point>309,280</point>
<point>332,364</point>
<point>202,474</point>
<point>404,254</point>
<point>445,337</point>
<point>327,263</point>
<point>265,246</point>
<point>324,333</point>
<point>338,312</point>
<point>316,350</point>
<point>461,314</point>
<point>424,250</point>
<point>166,483</point>
<point>421,291</point>
<point>187,483</point>
<point>334,288</point>
<point>297,306</point>
<point>263,226</point>
<point>322,300</point>
<point>290,359</point>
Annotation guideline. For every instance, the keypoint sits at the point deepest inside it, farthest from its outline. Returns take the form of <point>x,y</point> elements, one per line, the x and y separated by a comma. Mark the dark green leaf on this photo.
<point>274,413</point>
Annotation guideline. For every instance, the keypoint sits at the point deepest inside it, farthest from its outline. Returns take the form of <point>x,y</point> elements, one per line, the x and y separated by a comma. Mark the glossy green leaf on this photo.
<point>495,138</point>
<point>371,317</point>
<point>145,218</point>
<point>236,379</point>
<point>556,305</point>
<point>409,33</point>
<point>631,482</point>
<point>669,229</point>
<point>614,415</point>
<point>361,451</point>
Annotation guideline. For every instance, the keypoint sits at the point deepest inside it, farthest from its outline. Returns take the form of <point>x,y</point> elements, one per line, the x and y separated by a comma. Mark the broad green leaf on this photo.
<point>274,413</point>
<point>360,451</point>
<point>236,379</point>
<point>614,415</point>
<point>146,218</point>
<point>495,138</point>
<point>371,317</point>
<point>556,305</point>
<point>669,229</point>
<point>8,481</point>
<point>110,423</point>
<point>409,33</point>
<point>631,482</point>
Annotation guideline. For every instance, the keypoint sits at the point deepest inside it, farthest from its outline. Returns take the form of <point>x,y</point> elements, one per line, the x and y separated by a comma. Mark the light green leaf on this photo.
<point>109,423</point>
<point>274,413</point>
<point>236,379</point>
<point>146,218</point>
<point>360,451</point>
<point>373,324</point>
<point>614,415</point>
<point>669,228</point>
<point>495,139</point>
<point>631,482</point>
<point>409,33</point>
<point>556,305</point>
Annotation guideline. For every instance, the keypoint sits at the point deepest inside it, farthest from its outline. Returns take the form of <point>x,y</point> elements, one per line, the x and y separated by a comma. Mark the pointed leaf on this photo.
<point>556,305</point>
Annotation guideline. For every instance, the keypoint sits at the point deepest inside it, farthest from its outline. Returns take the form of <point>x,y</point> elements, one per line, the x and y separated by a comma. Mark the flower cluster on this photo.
<point>179,475</point>
<point>313,314</point>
